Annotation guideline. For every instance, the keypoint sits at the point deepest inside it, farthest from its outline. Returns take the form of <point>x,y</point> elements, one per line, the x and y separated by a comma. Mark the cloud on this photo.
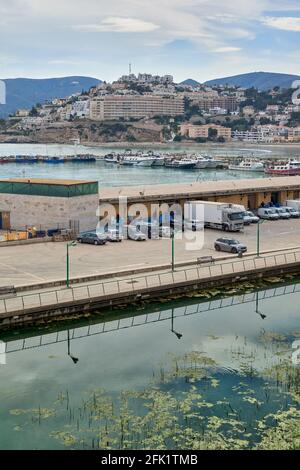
<point>119,25</point>
<point>63,62</point>
<point>285,23</point>
<point>227,49</point>
<point>55,32</point>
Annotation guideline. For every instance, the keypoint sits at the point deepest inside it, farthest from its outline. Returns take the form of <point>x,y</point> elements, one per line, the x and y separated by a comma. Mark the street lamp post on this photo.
<point>68,262</point>
<point>258,238</point>
<point>173,250</point>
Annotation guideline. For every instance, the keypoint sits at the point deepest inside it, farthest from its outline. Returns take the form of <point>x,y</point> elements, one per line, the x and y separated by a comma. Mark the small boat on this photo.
<point>7,160</point>
<point>292,168</point>
<point>206,162</point>
<point>83,159</point>
<point>137,161</point>
<point>183,164</point>
<point>26,159</point>
<point>112,158</point>
<point>248,165</point>
<point>54,160</point>
<point>158,161</point>
<point>213,163</point>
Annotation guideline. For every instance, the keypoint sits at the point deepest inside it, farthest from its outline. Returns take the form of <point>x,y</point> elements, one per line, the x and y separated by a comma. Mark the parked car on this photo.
<point>114,236</point>
<point>247,218</point>
<point>150,230</point>
<point>194,225</point>
<point>165,231</point>
<point>137,236</point>
<point>293,213</point>
<point>230,245</point>
<point>267,214</point>
<point>252,217</point>
<point>92,238</point>
<point>281,213</point>
<point>133,233</point>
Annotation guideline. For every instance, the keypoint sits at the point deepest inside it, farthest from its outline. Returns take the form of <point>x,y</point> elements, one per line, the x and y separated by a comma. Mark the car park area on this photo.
<point>17,266</point>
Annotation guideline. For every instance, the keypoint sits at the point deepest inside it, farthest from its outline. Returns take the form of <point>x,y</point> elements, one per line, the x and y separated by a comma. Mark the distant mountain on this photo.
<point>259,80</point>
<point>25,92</point>
<point>190,82</point>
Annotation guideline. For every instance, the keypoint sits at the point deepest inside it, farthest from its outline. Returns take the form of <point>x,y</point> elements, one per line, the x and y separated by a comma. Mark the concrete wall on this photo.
<point>49,212</point>
<point>253,200</point>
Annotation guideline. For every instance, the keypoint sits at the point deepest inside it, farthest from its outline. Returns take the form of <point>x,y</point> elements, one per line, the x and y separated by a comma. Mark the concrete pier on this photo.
<point>45,304</point>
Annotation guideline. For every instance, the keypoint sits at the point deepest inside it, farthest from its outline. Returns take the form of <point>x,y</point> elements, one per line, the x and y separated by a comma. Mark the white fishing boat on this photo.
<point>248,165</point>
<point>292,168</point>
<point>213,163</point>
<point>143,161</point>
<point>111,158</point>
<point>183,164</point>
<point>206,162</point>
<point>158,160</point>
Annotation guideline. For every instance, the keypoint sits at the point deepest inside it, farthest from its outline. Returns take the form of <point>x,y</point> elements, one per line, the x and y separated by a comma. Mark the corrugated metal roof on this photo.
<point>203,188</point>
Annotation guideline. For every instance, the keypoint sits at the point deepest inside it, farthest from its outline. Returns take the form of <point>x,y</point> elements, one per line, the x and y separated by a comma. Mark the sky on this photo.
<point>200,39</point>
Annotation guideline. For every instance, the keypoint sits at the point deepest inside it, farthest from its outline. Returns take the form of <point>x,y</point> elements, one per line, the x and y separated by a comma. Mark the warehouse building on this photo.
<point>48,204</point>
<point>251,193</point>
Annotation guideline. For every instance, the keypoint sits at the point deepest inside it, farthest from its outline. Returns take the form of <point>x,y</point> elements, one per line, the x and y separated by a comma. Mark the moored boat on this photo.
<point>83,159</point>
<point>291,168</point>
<point>26,159</point>
<point>54,160</point>
<point>112,158</point>
<point>137,161</point>
<point>183,164</point>
<point>248,165</point>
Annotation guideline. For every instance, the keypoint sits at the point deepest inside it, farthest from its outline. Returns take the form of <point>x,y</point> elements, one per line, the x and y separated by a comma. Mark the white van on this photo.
<point>293,213</point>
<point>267,213</point>
<point>281,212</point>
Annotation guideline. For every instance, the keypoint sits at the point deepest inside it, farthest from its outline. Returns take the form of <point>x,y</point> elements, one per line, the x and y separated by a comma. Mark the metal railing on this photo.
<point>101,290</point>
<point>111,326</point>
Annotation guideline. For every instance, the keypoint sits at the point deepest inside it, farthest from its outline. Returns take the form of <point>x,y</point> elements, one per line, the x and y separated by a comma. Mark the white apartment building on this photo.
<point>267,134</point>
<point>109,108</point>
<point>147,78</point>
<point>81,109</point>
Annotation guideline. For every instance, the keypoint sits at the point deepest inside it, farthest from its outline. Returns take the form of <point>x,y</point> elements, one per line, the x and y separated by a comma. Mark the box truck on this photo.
<point>294,204</point>
<point>218,215</point>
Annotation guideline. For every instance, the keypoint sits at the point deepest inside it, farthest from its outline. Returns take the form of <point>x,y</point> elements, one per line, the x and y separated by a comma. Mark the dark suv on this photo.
<point>91,238</point>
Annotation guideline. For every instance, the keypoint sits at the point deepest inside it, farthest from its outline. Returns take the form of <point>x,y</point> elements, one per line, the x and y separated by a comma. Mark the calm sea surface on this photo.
<point>112,175</point>
<point>219,358</point>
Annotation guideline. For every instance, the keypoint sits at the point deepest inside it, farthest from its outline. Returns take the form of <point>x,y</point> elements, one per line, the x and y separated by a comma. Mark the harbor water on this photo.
<point>114,175</point>
<point>201,372</point>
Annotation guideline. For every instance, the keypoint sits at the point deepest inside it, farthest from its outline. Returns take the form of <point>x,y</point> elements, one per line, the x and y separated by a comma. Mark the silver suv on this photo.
<point>230,245</point>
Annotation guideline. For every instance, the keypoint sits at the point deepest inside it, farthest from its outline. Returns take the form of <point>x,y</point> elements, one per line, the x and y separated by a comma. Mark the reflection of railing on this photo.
<point>101,290</point>
<point>149,318</point>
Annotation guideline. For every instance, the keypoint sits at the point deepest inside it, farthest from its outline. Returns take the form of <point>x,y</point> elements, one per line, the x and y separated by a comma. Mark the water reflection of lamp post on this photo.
<point>262,316</point>
<point>74,359</point>
<point>179,335</point>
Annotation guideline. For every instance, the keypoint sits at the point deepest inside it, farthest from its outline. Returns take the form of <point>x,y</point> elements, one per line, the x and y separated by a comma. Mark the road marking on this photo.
<point>22,272</point>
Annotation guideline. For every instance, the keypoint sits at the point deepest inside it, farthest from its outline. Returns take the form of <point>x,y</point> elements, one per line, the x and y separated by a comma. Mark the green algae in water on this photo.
<point>192,400</point>
<point>166,415</point>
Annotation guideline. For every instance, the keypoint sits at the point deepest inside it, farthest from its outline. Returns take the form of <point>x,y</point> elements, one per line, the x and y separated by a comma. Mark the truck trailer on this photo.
<point>217,215</point>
